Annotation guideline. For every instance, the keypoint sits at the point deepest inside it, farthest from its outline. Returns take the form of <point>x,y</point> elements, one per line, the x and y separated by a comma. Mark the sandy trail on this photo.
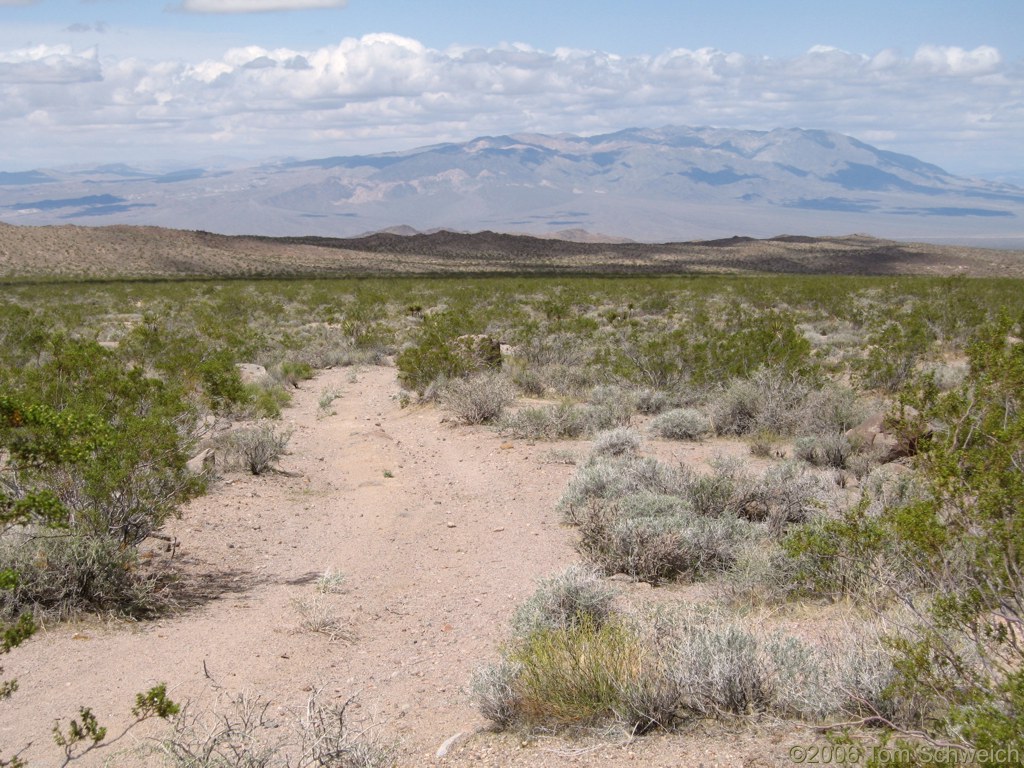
<point>435,558</point>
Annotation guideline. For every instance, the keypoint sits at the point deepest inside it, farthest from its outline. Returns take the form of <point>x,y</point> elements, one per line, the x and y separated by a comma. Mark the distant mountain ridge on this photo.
<point>671,183</point>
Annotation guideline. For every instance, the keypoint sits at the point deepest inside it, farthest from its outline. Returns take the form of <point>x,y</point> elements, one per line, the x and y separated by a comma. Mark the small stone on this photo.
<point>450,524</point>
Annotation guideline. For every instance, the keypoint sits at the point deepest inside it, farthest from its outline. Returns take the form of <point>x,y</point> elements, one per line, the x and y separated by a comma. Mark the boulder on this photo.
<point>203,463</point>
<point>252,373</point>
<point>885,438</point>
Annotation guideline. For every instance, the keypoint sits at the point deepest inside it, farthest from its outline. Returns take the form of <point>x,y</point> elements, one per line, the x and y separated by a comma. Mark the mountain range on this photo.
<point>665,184</point>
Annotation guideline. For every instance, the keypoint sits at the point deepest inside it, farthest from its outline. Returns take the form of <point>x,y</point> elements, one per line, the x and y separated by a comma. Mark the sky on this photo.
<point>173,83</point>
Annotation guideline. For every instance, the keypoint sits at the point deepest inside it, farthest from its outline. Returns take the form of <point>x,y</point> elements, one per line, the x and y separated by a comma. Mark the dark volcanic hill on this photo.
<point>144,252</point>
<point>673,183</point>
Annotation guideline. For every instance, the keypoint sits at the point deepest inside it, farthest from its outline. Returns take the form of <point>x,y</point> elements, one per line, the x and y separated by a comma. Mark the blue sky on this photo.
<point>180,81</point>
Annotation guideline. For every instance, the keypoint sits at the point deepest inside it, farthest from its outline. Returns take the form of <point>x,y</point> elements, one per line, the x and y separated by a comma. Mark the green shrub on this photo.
<point>265,400</point>
<point>576,675</point>
<point>436,353</point>
<point>291,372</point>
<point>130,473</point>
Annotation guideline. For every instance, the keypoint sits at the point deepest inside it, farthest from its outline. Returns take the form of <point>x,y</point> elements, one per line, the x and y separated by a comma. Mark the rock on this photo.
<point>109,344</point>
<point>252,373</point>
<point>203,462</point>
<point>449,743</point>
<point>885,438</point>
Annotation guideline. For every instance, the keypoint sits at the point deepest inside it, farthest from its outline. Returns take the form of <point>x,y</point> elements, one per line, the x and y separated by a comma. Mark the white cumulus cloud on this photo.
<point>384,91</point>
<point>49,64</point>
<point>256,6</point>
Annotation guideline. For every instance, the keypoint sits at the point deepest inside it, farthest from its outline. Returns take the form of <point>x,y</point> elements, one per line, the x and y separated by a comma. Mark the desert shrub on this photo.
<point>764,444</point>
<point>565,420</point>
<point>258,447</point>
<point>853,555</point>
<point>682,424</point>
<point>435,353</point>
<point>781,396</point>
<point>622,441</point>
<point>576,675</point>
<point>106,442</point>
<point>713,494</point>
<point>478,400</point>
<point>662,547</point>
<point>723,670</point>
<point>246,731</point>
<point>830,410</point>
<point>550,422</point>
<point>658,360</point>
<point>604,479</point>
<point>494,692</point>
<point>60,575</point>
<point>893,352</point>
<point>785,494</point>
<point>830,450</point>
<point>735,410</point>
<point>652,401</point>
<point>290,372</point>
<point>760,574</point>
<point>564,600</point>
<point>265,399</point>
<point>529,381</point>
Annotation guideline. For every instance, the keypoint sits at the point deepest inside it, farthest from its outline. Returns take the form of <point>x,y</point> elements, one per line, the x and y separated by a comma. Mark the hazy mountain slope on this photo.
<point>662,184</point>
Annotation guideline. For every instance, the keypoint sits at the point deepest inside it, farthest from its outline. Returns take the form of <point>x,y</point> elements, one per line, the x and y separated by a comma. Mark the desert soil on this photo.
<point>440,532</point>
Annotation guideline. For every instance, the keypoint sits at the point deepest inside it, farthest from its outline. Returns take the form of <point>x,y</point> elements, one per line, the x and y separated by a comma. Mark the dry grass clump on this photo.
<point>656,548</point>
<point>564,420</point>
<point>682,424</point>
<point>257,448</point>
<point>621,441</point>
<point>61,575</point>
<point>833,450</point>
<point>247,731</point>
<point>477,400</point>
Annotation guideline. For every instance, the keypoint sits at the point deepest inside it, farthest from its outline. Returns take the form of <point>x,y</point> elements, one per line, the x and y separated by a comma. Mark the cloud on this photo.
<point>17,2</point>
<point>255,6</point>
<point>384,91</point>
<point>48,65</point>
